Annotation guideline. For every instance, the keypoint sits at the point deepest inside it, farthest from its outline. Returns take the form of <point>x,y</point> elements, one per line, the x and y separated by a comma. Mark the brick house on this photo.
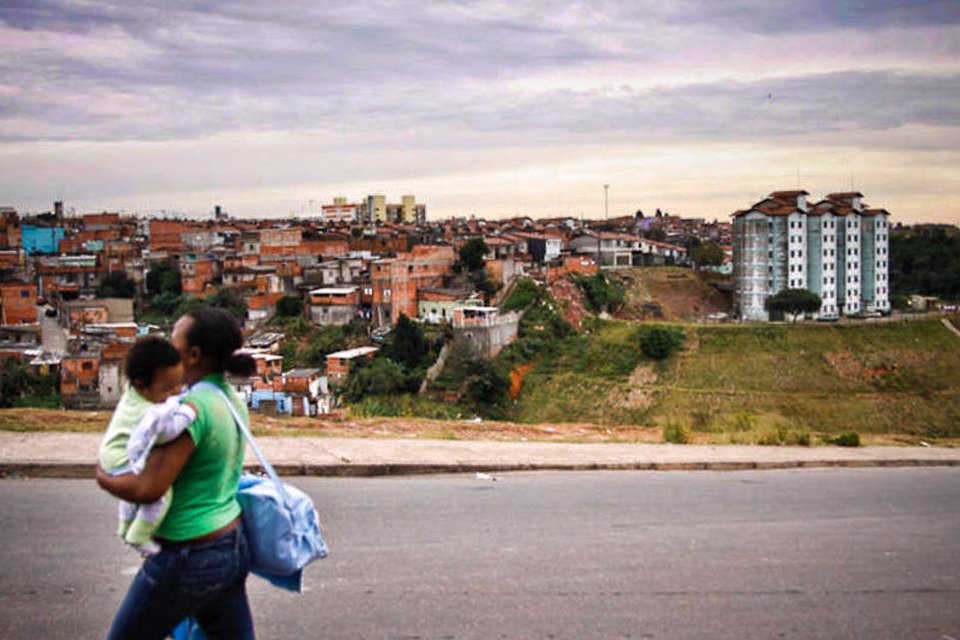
<point>334,305</point>
<point>395,281</point>
<point>18,303</point>
<point>79,381</point>
<point>338,363</point>
<point>305,388</point>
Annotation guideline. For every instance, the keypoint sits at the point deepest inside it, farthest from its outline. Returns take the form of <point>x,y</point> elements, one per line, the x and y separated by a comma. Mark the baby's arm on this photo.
<point>162,423</point>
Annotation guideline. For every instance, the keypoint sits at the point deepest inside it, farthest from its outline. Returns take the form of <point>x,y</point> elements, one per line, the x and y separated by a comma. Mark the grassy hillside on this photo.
<point>873,378</point>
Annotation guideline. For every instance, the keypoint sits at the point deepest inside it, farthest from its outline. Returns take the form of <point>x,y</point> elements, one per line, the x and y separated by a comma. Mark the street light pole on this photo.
<point>606,202</point>
<point>606,213</point>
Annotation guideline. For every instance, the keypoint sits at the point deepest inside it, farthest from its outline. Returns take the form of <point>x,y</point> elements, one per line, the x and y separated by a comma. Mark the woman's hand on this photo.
<point>163,467</point>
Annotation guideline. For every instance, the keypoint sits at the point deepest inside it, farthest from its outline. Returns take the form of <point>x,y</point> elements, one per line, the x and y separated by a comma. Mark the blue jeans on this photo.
<point>206,580</point>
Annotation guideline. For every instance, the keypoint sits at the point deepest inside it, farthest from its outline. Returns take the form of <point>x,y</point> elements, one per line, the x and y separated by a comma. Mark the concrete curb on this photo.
<point>87,471</point>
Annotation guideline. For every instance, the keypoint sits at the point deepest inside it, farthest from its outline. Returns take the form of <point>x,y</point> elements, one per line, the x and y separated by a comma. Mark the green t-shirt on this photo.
<point>205,492</point>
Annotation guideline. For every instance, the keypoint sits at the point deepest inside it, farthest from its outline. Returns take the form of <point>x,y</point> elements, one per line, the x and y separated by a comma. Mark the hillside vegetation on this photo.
<point>897,377</point>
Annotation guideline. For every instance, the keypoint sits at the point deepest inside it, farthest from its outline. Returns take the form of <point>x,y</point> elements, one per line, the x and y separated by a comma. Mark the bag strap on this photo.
<point>245,431</point>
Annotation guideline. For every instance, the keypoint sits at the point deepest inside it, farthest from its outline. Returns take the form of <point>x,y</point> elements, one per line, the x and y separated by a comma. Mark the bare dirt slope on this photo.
<point>570,299</point>
<point>669,293</point>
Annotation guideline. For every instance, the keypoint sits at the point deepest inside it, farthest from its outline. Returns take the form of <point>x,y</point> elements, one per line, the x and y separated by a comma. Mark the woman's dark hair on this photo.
<point>218,335</point>
<point>146,357</point>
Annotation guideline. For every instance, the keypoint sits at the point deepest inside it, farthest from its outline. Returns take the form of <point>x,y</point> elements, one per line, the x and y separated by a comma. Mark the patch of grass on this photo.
<point>405,406</point>
<point>676,433</point>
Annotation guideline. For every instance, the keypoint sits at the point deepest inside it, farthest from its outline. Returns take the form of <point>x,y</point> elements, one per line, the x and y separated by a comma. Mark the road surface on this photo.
<point>827,553</point>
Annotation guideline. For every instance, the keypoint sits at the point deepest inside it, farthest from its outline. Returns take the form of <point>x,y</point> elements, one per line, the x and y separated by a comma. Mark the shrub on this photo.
<point>523,295</point>
<point>659,343</point>
<point>847,439</point>
<point>600,293</point>
<point>377,377</point>
<point>676,433</point>
<point>289,307</point>
<point>770,436</point>
<point>800,437</point>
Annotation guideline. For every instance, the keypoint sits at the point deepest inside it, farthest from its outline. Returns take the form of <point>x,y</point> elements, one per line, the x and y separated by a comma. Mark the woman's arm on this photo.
<point>163,467</point>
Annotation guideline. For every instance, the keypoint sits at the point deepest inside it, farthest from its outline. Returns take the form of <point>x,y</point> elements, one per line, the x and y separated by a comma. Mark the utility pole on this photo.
<point>606,213</point>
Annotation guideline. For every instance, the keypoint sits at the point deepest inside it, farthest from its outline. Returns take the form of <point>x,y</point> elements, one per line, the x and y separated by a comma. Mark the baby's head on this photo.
<point>154,369</point>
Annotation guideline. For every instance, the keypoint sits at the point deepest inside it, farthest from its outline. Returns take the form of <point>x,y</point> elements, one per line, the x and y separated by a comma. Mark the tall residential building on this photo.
<point>838,248</point>
<point>376,209</point>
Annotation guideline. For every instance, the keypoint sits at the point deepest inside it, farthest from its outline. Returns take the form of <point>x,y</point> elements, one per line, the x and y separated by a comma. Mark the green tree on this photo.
<point>708,254</point>
<point>481,282</point>
<point>117,284</point>
<point>925,260</point>
<point>660,343</point>
<point>166,302</point>
<point>14,381</point>
<point>471,254</point>
<point>486,387</point>
<point>163,278</point>
<point>377,377</point>
<point>406,345</point>
<point>230,300</point>
<point>289,307</point>
<point>794,302</point>
<point>224,298</point>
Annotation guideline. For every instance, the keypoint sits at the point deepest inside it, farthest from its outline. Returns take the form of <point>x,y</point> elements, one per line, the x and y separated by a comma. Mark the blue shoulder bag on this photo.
<point>282,525</point>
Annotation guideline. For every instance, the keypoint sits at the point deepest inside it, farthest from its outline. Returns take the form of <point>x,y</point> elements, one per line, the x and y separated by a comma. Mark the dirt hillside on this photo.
<point>669,293</point>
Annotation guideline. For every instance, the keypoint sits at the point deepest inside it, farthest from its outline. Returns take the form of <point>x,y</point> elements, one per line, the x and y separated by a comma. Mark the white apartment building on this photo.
<point>838,248</point>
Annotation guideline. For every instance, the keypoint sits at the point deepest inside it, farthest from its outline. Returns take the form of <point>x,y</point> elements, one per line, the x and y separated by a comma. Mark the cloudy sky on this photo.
<point>483,107</point>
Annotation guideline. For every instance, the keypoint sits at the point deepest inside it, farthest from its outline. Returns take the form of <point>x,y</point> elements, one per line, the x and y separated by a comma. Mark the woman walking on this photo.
<point>202,566</point>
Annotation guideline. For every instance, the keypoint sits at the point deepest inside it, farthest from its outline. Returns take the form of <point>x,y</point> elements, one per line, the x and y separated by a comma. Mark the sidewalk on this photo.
<point>73,455</point>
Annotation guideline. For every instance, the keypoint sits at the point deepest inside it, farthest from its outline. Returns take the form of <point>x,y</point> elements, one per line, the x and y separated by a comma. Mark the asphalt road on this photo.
<point>829,553</point>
